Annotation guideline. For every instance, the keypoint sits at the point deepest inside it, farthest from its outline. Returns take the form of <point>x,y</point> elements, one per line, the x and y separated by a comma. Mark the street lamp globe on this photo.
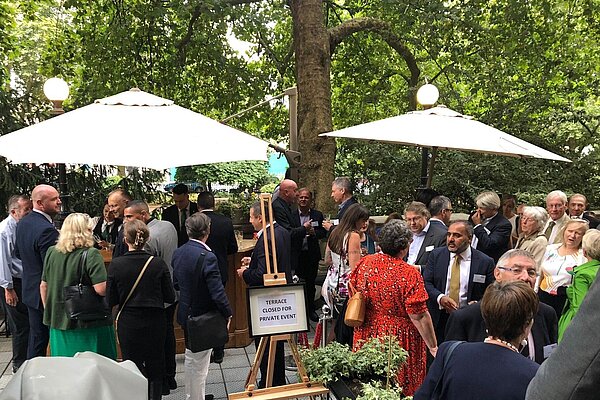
<point>56,89</point>
<point>427,95</point>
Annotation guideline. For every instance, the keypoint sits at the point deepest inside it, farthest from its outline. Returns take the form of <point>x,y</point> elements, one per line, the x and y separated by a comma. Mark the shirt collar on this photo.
<point>261,231</point>
<point>437,219</point>
<point>424,231</point>
<point>44,214</point>
<point>307,212</point>
<point>202,243</point>
<point>465,255</point>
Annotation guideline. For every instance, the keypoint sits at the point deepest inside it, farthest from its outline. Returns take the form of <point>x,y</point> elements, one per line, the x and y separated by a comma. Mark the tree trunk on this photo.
<point>313,65</point>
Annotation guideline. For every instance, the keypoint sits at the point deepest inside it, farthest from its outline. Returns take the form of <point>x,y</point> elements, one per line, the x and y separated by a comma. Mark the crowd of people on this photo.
<point>509,280</point>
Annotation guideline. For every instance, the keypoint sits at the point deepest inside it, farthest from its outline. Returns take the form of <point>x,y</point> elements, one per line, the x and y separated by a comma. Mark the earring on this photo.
<point>524,342</point>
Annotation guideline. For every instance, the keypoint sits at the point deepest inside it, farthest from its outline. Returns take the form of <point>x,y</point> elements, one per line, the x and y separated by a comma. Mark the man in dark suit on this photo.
<point>180,211</point>
<point>440,209</point>
<point>492,230</point>
<point>196,272</point>
<point>289,219</point>
<point>107,228</point>
<point>222,243</point>
<point>35,234</point>
<point>118,200</point>
<point>455,275</point>
<point>426,236</point>
<point>310,254</point>
<point>467,323</point>
<point>341,193</point>
<point>252,270</point>
<point>577,205</point>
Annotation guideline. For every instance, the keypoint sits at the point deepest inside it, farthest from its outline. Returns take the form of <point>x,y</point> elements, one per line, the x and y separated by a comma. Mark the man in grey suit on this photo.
<point>426,235</point>
<point>573,370</point>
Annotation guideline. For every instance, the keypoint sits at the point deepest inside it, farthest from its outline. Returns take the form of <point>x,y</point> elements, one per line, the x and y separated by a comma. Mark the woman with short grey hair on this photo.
<point>532,238</point>
<point>396,302</point>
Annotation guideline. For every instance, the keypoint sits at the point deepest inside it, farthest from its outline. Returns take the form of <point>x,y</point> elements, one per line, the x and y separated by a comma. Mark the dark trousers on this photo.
<point>556,301</point>
<point>307,271</point>
<point>170,363</point>
<point>39,334</point>
<point>278,368</point>
<point>141,333</point>
<point>18,321</point>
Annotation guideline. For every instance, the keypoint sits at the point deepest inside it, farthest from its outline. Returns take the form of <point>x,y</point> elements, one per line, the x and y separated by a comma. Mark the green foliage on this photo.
<point>377,391</point>
<point>246,175</point>
<point>378,358</point>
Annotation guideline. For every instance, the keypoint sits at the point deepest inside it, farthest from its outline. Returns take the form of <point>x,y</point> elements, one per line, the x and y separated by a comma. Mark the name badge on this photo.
<point>549,349</point>
<point>335,221</point>
<point>478,278</point>
<point>429,248</point>
<point>314,223</point>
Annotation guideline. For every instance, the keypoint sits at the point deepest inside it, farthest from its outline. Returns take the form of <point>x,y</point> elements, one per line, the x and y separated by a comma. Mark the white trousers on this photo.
<point>196,370</point>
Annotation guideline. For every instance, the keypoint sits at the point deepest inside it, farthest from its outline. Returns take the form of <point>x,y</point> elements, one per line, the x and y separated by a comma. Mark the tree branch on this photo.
<point>198,9</point>
<point>384,30</point>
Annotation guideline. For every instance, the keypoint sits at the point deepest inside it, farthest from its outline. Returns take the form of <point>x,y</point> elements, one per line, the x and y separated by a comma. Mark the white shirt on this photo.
<point>465,270</point>
<point>415,245</point>
<point>44,214</point>
<point>10,265</point>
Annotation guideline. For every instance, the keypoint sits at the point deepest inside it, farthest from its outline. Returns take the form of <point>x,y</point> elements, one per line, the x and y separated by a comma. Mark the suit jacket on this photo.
<point>208,293</point>
<point>573,370</point>
<point>467,324</point>
<point>253,276</point>
<point>436,237</point>
<point>290,220</point>
<point>221,240</point>
<point>113,231</point>
<point>594,221</point>
<point>348,203</point>
<point>120,246</point>
<point>495,243</point>
<point>171,214</point>
<point>35,234</point>
<point>436,274</point>
<point>313,250</point>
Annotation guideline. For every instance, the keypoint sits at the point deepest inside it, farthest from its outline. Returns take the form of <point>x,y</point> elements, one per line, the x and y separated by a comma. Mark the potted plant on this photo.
<point>368,373</point>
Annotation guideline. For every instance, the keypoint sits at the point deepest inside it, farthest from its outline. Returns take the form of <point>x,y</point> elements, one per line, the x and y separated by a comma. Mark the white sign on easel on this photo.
<point>277,310</point>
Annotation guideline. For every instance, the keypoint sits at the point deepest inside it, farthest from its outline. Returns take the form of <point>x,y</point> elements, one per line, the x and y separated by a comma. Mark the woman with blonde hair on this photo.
<point>558,263</point>
<point>69,336</point>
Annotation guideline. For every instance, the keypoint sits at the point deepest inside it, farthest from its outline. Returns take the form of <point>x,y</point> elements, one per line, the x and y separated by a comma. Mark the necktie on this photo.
<point>455,280</point>
<point>548,231</point>
<point>182,220</point>
<point>106,233</point>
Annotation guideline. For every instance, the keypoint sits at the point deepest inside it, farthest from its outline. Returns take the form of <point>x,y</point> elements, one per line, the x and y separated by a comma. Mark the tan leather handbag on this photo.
<point>355,311</point>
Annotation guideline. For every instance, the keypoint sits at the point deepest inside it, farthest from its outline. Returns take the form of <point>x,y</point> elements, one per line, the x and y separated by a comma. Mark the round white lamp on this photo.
<point>427,95</point>
<point>56,90</point>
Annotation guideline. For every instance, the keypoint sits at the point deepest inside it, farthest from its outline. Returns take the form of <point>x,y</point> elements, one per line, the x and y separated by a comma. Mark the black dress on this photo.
<point>141,327</point>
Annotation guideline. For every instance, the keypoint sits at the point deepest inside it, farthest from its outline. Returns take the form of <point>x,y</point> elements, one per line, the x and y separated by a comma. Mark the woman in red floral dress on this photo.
<point>396,303</point>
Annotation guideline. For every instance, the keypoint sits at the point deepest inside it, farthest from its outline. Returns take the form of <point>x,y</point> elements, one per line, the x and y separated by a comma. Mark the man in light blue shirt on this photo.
<point>11,272</point>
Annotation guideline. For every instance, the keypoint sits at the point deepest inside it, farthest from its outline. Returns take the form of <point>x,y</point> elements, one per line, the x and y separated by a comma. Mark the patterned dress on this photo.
<point>393,290</point>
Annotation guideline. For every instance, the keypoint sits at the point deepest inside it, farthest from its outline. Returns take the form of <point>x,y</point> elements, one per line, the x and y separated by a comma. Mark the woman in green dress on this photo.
<point>583,277</point>
<point>68,336</point>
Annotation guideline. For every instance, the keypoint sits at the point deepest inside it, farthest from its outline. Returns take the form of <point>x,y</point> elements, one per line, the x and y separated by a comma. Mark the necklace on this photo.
<point>491,339</point>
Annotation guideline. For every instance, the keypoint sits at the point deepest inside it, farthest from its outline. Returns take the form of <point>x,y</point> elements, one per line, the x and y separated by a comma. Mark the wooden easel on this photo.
<point>291,391</point>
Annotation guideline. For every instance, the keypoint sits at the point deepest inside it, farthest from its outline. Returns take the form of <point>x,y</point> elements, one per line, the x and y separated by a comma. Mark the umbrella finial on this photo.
<point>135,89</point>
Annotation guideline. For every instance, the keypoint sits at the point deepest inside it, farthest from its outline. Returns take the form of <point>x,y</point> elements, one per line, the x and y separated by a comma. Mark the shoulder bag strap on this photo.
<point>80,266</point>
<point>196,276</point>
<point>133,287</point>
<point>437,391</point>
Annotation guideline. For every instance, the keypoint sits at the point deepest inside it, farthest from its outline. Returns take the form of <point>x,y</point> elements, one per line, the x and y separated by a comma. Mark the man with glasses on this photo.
<point>467,323</point>
<point>440,209</point>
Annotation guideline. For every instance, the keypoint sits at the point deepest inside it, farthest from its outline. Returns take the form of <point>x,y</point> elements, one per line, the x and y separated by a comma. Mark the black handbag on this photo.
<point>82,303</point>
<point>208,330</point>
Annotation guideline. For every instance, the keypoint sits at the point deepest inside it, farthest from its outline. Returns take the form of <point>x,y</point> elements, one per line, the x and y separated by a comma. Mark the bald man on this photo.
<point>290,220</point>
<point>118,200</point>
<point>35,234</point>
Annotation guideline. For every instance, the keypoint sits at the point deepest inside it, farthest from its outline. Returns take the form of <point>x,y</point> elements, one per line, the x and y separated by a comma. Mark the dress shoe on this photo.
<point>314,317</point>
<point>217,355</point>
<point>165,387</point>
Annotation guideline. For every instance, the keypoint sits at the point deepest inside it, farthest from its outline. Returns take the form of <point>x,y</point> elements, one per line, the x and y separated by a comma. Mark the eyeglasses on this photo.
<point>519,270</point>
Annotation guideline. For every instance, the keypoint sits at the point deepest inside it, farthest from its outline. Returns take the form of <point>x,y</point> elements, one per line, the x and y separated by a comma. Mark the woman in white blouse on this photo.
<point>560,258</point>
